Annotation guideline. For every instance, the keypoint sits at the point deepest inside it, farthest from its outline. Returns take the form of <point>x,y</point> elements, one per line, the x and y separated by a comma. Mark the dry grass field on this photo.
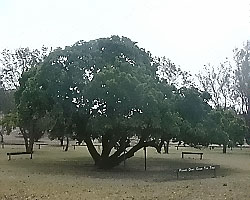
<point>55,174</point>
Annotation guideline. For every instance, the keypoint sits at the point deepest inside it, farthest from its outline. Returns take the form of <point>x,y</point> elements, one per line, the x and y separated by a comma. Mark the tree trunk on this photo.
<point>26,142</point>
<point>30,146</point>
<point>106,161</point>
<point>166,147</point>
<point>29,142</point>
<point>1,138</point>
<point>92,150</point>
<point>67,144</point>
<point>61,141</point>
<point>224,148</point>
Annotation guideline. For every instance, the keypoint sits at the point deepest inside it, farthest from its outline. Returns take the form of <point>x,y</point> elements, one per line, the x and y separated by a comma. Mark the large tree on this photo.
<point>74,81</point>
<point>107,89</point>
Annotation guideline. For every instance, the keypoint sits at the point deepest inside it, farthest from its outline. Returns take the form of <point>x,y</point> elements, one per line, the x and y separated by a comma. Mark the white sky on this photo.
<point>189,32</point>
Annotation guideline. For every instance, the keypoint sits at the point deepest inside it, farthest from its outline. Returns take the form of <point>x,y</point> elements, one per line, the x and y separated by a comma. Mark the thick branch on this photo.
<point>123,144</point>
<point>137,147</point>
<point>92,150</point>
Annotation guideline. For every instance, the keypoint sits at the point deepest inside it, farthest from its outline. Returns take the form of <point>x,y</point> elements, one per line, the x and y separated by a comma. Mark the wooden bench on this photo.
<point>18,153</point>
<point>177,146</point>
<point>197,153</point>
<point>3,144</point>
<point>39,145</point>
<point>84,145</point>
<point>78,145</point>
<point>213,146</point>
<point>198,169</point>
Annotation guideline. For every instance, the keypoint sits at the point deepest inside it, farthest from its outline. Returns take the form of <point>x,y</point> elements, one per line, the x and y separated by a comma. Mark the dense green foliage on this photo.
<point>9,122</point>
<point>225,127</point>
<point>7,103</point>
<point>111,90</point>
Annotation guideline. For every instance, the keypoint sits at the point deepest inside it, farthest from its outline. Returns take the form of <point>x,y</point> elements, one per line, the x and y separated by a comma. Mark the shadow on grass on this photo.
<point>158,169</point>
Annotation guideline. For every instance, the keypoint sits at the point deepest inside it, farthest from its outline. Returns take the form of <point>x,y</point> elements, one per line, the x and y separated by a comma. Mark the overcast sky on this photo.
<point>189,32</point>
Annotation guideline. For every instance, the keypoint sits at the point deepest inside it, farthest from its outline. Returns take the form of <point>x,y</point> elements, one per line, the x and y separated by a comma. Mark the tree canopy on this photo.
<point>111,90</point>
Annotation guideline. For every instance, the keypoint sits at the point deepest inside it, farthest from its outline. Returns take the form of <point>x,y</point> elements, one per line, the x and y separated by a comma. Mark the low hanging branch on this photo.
<point>140,145</point>
<point>92,150</point>
<point>106,161</point>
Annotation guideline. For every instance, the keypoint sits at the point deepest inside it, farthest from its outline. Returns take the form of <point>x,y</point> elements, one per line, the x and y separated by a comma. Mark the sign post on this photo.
<point>145,158</point>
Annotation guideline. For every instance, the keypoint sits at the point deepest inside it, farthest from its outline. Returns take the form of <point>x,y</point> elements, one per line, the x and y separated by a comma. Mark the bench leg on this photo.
<point>9,157</point>
<point>215,173</point>
<point>31,156</point>
<point>182,155</point>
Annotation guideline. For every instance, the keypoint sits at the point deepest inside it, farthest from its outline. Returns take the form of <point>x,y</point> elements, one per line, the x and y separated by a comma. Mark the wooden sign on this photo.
<point>192,169</point>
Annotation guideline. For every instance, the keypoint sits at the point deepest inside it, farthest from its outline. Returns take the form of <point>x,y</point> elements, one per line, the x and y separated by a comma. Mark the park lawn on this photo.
<point>55,174</point>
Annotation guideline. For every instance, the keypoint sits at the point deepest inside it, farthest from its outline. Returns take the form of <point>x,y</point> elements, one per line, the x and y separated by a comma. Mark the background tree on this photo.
<point>13,65</point>
<point>242,75</point>
<point>7,108</point>
<point>7,103</point>
<point>167,71</point>
<point>169,74</point>
<point>61,127</point>
<point>193,107</point>
<point>8,123</point>
<point>225,127</point>
<point>219,82</point>
<point>229,84</point>
<point>16,62</point>
<point>242,83</point>
<point>31,115</point>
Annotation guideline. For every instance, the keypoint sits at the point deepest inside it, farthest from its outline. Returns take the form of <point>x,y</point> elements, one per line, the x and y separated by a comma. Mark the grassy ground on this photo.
<point>55,174</point>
